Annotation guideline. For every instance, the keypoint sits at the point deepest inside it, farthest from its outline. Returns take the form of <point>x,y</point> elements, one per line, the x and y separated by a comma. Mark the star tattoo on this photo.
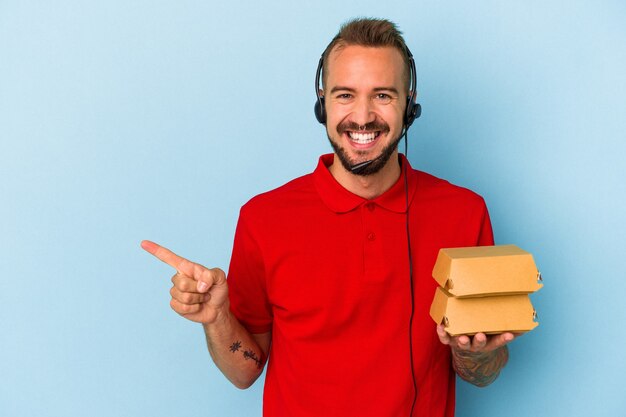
<point>235,346</point>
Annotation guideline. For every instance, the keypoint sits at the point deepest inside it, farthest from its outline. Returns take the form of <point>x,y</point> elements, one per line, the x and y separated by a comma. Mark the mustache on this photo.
<point>374,125</point>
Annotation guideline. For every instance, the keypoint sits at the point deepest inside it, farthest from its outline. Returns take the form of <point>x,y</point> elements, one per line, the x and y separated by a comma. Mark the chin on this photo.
<point>379,159</point>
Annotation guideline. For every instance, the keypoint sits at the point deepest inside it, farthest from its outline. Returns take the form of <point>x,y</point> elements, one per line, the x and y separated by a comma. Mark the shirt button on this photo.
<point>371,236</point>
<point>370,206</point>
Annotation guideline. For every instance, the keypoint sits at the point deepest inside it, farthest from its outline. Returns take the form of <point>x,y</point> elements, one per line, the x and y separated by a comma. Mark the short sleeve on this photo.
<point>247,279</point>
<point>485,236</point>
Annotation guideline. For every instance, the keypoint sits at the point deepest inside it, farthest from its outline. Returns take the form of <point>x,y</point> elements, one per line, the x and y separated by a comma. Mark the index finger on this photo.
<point>163,254</point>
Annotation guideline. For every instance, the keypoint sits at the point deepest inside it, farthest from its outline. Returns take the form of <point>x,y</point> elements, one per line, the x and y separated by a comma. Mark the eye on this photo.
<point>343,98</point>
<point>383,98</point>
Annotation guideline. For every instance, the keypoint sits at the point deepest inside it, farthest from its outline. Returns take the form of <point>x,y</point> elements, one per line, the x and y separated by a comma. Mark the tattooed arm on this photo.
<point>200,294</point>
<point>479,359</point>
<point>239,354</point>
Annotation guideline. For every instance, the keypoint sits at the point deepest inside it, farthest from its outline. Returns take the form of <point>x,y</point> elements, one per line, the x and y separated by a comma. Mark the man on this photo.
<point>328,269</point>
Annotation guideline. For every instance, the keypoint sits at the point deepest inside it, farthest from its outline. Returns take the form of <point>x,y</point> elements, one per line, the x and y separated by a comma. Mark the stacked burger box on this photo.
<point>485,289</point>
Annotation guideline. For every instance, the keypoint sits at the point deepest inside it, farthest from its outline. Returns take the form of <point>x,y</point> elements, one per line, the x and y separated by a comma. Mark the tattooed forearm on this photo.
<point>480,369</point>
<point>248,354</point>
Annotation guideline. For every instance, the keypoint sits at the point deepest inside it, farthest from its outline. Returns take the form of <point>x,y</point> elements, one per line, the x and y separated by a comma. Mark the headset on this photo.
<point>413,109</point>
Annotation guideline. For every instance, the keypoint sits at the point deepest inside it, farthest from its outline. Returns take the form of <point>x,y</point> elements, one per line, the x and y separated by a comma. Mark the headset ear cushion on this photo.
<point>320,110</point>
<point>413,111</point>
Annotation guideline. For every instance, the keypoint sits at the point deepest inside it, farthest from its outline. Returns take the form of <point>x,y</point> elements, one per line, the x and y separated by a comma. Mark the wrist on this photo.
<point>477,355</point>
<point>223,315</point>
<point>221,318</point>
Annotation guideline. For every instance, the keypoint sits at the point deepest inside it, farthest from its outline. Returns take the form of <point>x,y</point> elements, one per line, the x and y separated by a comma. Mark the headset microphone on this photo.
<point>360,167</point>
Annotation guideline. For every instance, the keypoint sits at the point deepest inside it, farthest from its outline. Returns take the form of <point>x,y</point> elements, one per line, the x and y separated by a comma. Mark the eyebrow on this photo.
<point>341,88</point>
<point>390,89</point>
<point>352,90</point>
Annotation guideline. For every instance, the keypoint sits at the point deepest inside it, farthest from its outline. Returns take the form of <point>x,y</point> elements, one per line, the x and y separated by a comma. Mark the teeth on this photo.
<point>362,137</point>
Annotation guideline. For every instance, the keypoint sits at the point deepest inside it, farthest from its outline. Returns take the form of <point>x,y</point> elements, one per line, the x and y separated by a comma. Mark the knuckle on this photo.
<point>183,308</point>
<point>191,308</point>
<point>218,274</point>
<point>182,285</point>
<point>182,298</point>
<point>187,298</point>
<point>187,285</point>
<point>200,271</point>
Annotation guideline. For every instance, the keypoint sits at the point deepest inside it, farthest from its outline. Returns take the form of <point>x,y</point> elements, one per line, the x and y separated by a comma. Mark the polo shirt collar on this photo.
<point>340,200</point>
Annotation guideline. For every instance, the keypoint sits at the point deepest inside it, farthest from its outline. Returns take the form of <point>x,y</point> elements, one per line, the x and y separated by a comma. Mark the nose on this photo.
<point>362,112</point>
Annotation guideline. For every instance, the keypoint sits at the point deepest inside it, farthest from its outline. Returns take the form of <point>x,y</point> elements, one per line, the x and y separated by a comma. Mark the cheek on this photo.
<point>394,117</point>
<point>336,113</point>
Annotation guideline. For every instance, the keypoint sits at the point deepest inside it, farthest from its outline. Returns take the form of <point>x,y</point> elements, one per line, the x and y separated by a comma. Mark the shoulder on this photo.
<point>430,187</point>
<point>450,215</point>
<point>283,197</point>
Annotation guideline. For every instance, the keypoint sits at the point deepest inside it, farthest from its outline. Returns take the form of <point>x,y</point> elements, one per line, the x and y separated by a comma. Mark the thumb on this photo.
<point>202,286</point>
<point>444,337</point>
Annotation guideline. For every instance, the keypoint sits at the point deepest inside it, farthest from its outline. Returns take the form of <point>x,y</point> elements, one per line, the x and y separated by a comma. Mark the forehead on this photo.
<point>356,64</point>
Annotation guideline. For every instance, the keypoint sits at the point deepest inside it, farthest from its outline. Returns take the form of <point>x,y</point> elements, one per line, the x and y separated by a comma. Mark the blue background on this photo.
<point>130,120</point>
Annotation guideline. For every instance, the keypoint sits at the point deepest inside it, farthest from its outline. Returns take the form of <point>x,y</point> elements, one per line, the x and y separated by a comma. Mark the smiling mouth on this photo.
<point>363,138</point>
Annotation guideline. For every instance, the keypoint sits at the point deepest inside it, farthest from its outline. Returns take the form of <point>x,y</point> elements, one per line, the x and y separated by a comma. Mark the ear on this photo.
<point>320,92</point>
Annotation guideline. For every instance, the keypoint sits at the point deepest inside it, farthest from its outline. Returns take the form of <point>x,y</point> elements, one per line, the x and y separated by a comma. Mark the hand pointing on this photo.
<point>199,293</point>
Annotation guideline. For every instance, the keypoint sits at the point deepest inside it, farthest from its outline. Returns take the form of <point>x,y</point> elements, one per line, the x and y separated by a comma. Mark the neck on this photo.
<point>369,186</point>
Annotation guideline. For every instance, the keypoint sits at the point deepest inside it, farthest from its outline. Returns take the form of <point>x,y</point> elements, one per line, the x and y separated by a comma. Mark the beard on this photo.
<point>378,162</point>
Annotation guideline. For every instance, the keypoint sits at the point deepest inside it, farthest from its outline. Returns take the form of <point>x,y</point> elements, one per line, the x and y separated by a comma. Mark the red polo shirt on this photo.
<point>326,271</point>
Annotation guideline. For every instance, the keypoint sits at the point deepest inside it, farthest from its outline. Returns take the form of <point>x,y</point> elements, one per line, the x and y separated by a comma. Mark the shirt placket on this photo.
<point>372,243</point>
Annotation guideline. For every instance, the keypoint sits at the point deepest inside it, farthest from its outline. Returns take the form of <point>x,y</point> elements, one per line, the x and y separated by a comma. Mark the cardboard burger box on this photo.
<point>485,289</point>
